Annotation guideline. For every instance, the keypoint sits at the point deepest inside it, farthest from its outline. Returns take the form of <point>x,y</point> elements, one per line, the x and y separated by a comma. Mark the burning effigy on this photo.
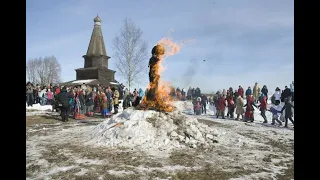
<point>157,94</point>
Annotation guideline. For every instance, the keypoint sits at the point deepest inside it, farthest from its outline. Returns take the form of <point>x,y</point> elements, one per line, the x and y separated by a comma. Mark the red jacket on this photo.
<point>229,100</point>
<point>263,103</point>
<point>57,91</point>
<point>241,91</point>
<point>222,104</point>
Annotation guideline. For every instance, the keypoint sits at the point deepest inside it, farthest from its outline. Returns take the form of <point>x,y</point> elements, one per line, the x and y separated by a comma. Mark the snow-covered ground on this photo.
<point>152,144</point>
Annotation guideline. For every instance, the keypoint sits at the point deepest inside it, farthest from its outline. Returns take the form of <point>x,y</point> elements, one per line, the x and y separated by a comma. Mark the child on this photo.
<point>275,115</point>
<point>230,105</point>
<point>288,111</point>
<point>104,106</point>
<point>249,110</point>
<point>197,106</point>
<point>222,106</point>
<point>263,107</point>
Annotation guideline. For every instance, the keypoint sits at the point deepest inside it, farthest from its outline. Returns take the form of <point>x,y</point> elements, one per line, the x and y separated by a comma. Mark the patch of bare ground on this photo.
<point>32,120</point>
<point>288,173</point>
<point>210,172</point>
<point>281,150</point>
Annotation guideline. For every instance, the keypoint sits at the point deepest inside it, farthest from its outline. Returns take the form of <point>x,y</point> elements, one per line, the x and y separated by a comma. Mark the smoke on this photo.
<point>190,72</point>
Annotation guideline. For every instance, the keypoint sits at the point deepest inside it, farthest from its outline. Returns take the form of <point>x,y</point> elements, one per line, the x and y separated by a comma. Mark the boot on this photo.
<point>63,118</point>
<point>265,121</point>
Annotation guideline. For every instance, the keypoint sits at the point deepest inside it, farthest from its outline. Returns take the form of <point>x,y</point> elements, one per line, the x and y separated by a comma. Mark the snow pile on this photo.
<point>151,130</point>
<point>38,107</point>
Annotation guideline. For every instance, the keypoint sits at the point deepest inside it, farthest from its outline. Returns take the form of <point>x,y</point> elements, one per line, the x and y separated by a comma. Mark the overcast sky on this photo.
<point>242,41</point>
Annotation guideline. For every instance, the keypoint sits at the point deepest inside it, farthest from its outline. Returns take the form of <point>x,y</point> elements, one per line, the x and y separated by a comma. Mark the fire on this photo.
<point>157,95</point>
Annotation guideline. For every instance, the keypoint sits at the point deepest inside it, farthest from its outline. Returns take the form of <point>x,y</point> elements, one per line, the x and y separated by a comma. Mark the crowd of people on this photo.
<point>233,102</point>
<point>85,100</point>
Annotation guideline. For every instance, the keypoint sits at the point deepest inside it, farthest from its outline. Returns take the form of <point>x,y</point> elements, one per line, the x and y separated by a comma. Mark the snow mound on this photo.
<point>151,130</point>
<point>38,107</point>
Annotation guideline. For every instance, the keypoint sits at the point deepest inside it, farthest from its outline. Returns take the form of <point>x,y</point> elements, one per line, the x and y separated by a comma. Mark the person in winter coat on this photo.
<point>57,91</point>
<point>204,101</point>
<point>63,99</point>
<point>239,107</point>
<point>249,114</point>
<point>43,95</point>
<point>29,92</point>
<point>116,96</point>
<point>235,95</point>
<point>264,90</point>
<point>216,102</point>
<point>230,105</point>
<point>89,102</point>
<point>49,97</point>
<point>288,111</point>
<point>121,87</point>
<point>197,106</point>
<point>97,102</point>
<point>126,99</point>
<point>109,95</point>
<point>79,105</point>
<point>286,94</point>
<point>222,106</point>
<point>263,107</point>
<point>275,117</point>
<point>248,91</point>
<point>277,96</point>
<point>198,92</point>
<point>240,91</point>
<point>183,94</point>
<point>136,99</point>
<point>256,92</point>
<point>104,106</point>
<point>193,93</point>
<point>72,101</point>
<point>231,92</point>
<point>141,95</point>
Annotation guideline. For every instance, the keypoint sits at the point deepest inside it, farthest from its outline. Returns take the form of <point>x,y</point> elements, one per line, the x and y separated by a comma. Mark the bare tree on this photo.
<point>130,52</point>
<point>43,70</point>
<point>31,70</point>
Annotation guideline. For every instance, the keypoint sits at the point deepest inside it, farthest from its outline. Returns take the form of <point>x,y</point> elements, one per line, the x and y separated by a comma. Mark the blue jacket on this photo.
<point>141,93</point>
<point>274,111</point>
<point>248,92</point>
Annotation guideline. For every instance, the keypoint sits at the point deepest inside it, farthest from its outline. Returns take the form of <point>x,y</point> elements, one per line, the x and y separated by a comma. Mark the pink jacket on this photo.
<point>49,95</point>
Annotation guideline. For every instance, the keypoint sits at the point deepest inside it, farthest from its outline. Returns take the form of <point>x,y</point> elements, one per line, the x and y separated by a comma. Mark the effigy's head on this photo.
<point>158,50</point>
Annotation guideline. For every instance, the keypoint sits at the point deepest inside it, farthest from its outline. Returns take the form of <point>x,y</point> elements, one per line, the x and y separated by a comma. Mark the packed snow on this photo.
<point>38,109</point>
<point>153,131</point>
<point>83,81</point>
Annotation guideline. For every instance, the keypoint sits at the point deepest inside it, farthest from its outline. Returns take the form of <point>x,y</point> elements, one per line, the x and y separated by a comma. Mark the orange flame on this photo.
<point>162,97</point>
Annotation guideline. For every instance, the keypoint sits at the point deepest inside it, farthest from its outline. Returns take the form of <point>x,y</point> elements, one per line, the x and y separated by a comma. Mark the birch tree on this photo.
<point>130,52</point>
<point>43,70</point>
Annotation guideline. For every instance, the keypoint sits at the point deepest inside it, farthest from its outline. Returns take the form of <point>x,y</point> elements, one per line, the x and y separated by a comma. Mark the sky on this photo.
<point>242,42</point>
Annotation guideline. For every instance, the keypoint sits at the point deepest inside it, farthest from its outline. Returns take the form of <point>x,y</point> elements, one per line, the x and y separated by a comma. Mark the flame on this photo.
<point>161,99</point>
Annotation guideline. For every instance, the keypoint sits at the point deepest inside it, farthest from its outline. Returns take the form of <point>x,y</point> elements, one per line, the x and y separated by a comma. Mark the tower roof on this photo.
<point>97,19</point>
<point>96,45</point>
